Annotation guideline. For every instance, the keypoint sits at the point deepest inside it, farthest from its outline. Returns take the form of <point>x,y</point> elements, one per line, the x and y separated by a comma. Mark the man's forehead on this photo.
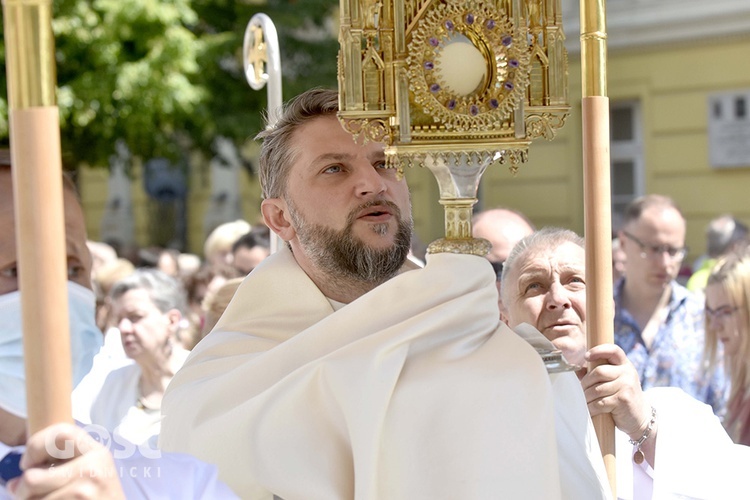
<point>330,126</point>
<point>566,255</point>
<point>75,227</point>
<point>659,218</point>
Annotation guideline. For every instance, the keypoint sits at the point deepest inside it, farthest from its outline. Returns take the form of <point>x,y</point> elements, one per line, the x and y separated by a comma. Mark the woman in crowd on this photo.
<point>147,307</point>
<point>728,329</point>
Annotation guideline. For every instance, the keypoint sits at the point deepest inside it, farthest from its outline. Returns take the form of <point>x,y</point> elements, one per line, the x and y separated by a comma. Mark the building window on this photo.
<point>626,156</point>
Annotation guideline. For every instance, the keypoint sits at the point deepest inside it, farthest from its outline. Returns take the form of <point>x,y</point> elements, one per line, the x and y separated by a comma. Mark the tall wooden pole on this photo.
<point>38,198</point>
<point>597,201</point>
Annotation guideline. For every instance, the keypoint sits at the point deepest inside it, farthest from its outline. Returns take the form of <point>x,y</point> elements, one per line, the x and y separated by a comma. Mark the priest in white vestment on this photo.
<point>337,372</point>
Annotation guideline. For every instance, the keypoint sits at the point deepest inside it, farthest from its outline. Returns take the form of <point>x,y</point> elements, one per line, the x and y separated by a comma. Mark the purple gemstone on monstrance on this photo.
<point>469,18</point>
<point>494,103</point>
<point>490,24</point>
<point>474,110</point>
<point>434,41</point>
<point>429,65</point>
<point>508,85</point>
<point>513,63</point>
<point>449,25</point>
<point>507,40</point>
<point>451,104</point>
<point>434,87</point>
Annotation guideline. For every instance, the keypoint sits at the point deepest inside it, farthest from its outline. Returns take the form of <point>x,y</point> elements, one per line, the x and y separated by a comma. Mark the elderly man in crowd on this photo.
<point>544,285</point>
<point>658,323</point>
<point>89,470</point>
<point>338,371</point>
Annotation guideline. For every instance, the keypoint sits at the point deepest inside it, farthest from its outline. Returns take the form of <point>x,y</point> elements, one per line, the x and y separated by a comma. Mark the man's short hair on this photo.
<point>723,233</point>
<point>4,157</point>
<point>489,211</point>
<point>635,208</point>
<point>277,152</point>
<point>547,237</point>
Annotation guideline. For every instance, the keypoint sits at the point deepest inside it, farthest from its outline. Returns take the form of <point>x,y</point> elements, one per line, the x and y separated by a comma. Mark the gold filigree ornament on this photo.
<point>468,65</point>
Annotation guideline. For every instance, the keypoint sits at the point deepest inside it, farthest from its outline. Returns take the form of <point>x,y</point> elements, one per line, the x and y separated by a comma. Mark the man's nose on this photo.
<point>369,181</point>
<point>664,258</point>
<point>557,297</point>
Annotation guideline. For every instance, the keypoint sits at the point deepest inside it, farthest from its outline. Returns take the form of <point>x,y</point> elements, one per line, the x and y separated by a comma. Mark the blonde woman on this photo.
<point>728,330</point>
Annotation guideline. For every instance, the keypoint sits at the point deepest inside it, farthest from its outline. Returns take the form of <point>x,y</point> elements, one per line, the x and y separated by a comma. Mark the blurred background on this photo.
<point>157,119</point>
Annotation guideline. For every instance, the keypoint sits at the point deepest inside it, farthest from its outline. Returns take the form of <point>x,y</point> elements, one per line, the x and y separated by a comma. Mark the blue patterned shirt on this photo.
<point>674,359</point>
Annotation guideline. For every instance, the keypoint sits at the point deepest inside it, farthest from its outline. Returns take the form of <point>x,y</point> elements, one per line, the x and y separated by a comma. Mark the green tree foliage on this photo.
<point>167,76</point>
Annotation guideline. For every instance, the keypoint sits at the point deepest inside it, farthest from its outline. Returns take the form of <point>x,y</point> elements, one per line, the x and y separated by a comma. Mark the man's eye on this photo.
<point>332,169</point>
<point>75,271</point>
<point>9,272</point>
<point>381,164</point>
<point>532,286</point>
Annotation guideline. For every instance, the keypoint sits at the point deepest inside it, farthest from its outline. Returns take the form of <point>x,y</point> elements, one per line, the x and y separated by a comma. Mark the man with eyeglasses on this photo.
<point>658,323</point>
<point>503,228</point>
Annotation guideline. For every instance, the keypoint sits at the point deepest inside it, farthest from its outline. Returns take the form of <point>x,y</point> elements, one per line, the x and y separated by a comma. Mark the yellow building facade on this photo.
<point>667,88</point>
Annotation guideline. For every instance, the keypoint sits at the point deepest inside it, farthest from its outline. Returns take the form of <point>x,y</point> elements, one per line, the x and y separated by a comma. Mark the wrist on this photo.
<point>635,434</point>
<point>639,441</point>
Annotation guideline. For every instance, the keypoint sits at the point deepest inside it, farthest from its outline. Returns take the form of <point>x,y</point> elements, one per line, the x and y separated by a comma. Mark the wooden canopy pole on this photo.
<point>597,201</point>
<point>38,198</point>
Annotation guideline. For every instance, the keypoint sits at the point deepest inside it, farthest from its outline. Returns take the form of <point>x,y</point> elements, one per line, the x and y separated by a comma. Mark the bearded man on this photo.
<point>339,371</point>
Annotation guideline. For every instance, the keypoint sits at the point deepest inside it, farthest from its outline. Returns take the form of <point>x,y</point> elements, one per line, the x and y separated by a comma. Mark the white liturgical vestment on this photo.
<point>413,391</point>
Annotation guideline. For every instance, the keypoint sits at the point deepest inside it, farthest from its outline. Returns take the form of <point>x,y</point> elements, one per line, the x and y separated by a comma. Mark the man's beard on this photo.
<point>344,256</point>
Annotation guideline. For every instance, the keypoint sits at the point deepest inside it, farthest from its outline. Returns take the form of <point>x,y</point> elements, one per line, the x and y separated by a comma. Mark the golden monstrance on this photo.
<point>455,87</point>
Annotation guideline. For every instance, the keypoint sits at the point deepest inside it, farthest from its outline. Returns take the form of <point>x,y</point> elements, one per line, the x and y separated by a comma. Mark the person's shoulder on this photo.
<point>681,296</point>
<point>120,375</point>
<point>522,345</point>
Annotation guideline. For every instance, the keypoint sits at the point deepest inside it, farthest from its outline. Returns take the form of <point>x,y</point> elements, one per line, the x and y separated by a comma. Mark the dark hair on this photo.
<point>252,239</point>
<point>277,151</point>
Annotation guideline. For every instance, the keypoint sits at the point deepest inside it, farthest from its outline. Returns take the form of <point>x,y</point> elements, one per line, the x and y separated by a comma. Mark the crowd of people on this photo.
<point>340,367</point>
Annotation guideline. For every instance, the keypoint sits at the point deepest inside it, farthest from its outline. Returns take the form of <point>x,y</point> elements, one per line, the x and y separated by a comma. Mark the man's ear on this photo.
<point>274,212</point>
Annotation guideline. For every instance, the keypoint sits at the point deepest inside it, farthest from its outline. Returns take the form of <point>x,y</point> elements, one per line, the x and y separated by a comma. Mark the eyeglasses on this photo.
<point>498,267</point>
<point>654,251</point>
<point>720,313</point>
